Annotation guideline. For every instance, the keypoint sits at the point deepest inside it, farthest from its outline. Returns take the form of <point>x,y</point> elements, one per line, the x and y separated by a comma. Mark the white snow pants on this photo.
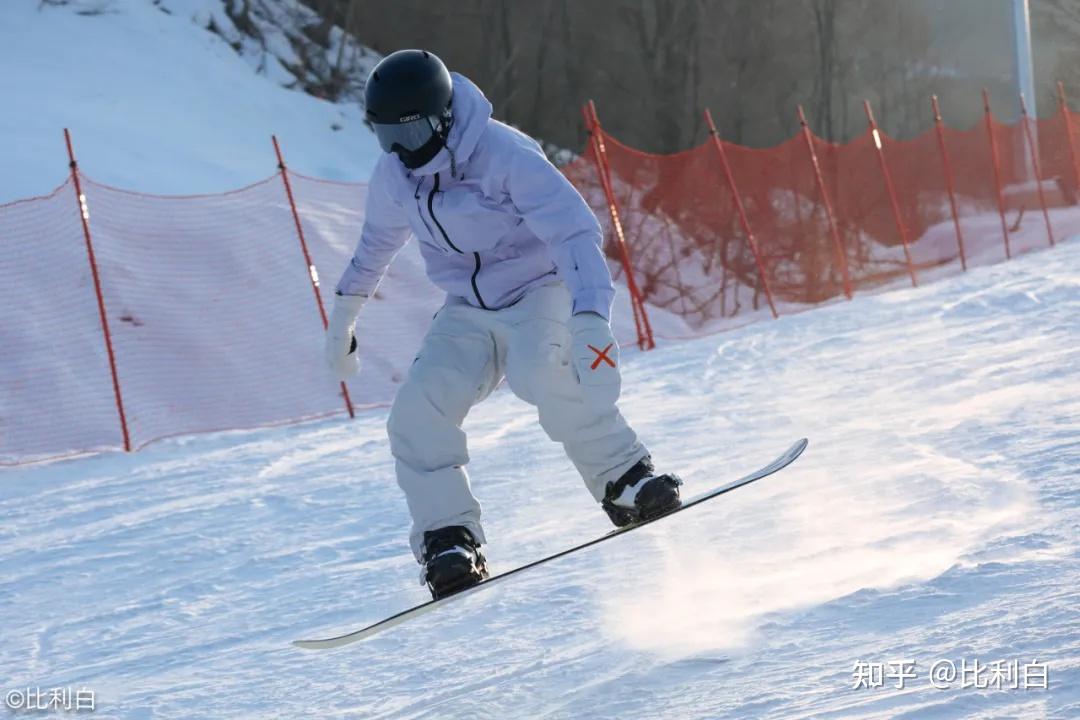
<point>464,356</point>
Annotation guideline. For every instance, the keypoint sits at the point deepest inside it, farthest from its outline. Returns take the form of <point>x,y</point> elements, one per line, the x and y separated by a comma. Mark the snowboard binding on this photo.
<point>452,561</point>
<point>639,495</point>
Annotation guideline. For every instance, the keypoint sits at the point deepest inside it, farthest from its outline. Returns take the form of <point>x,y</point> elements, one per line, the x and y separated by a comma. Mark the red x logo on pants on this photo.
<point>601,356</point>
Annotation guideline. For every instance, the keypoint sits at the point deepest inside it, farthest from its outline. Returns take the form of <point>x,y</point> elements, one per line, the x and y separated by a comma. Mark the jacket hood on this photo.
<point>471,114</point>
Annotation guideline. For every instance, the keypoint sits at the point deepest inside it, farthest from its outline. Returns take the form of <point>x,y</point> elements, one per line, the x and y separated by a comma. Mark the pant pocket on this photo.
<point>597,371</point>
<point>539,360</point>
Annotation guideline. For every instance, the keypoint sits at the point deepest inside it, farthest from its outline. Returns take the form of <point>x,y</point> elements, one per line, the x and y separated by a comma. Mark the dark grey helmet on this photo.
<point>407,100</point>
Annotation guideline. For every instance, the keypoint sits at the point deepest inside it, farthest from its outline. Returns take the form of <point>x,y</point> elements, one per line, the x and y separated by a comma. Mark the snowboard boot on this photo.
<point>452,561</point>
<point>639,495</point>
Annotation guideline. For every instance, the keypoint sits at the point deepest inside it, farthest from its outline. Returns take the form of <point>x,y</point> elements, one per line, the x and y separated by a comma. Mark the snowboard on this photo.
<point>789,456</point>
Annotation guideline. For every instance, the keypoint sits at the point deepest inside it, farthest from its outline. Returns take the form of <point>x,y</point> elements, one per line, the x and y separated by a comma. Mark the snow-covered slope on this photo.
<point>936,515</point>
<point>155,102</point>
<point>158,103</point>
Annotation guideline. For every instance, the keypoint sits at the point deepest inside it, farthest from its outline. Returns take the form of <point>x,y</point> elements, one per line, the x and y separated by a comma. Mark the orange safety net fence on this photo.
<point>822,214</point>
<point>212,306</point>
<point>55,389</point>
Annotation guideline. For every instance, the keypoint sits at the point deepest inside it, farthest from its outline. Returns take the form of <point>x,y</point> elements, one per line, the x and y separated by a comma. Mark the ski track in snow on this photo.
<point>936,514</point>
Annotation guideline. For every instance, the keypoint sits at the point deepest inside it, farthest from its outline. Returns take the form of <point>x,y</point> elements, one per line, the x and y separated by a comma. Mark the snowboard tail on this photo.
<point>786,458</point>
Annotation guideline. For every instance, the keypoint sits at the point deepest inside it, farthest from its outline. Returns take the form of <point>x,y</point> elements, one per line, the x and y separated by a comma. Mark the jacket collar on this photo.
<point>471,114</point>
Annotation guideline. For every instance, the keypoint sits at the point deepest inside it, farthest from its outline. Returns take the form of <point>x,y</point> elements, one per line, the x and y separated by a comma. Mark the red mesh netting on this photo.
<point>211,313</point>
<point>213,320</point>
<point>56,393</point>
<point>214,324</point>
<point>691,256</point>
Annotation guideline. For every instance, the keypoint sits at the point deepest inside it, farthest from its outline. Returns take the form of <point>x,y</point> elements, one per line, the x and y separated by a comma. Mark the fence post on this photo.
<point>997,171</point>
<point>313,274</point>
<point>1066,117</point>
<point>938,126</point>
<point>637,302</point>
<point>891,190</point>
<point>616,223</point>
<point>1035,165</point>
<point>730,176</point>
<point>837,243</point>
<point>84,215</point>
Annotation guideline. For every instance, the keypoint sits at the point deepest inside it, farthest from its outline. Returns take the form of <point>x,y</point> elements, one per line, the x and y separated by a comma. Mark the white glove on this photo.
<point>341,353</point>
<point>596,359</point>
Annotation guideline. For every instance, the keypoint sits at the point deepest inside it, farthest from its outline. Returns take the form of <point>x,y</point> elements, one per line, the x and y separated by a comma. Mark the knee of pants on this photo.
<point>406,405</point>
<point>422,434</point>
<point>567,419</point>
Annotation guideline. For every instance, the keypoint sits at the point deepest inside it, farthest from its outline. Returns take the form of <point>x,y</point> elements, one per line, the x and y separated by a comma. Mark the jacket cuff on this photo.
<point>351,302</point>
<point>597,301</point>
<point>356,281</point>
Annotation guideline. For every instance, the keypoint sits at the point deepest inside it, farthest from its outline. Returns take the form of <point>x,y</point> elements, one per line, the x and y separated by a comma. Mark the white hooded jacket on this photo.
<point>493,217</point>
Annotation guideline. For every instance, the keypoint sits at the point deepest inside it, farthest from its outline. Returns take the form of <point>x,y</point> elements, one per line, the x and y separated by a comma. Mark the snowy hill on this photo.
<point>158,103</point>
<point>934,517</point>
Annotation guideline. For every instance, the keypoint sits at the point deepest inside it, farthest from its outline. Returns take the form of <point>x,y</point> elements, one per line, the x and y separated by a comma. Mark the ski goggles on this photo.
<point>411,133</point>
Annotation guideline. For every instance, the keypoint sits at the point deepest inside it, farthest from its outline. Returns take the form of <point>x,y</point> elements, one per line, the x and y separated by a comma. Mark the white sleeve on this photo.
<point>555,211</point>
<point>386,230</point>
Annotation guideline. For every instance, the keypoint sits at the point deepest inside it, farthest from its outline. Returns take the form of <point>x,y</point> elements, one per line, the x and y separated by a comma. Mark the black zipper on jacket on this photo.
<point>431,211</point>
<point>475,289</point>
<point>476,255</point>
<point>420,209</point>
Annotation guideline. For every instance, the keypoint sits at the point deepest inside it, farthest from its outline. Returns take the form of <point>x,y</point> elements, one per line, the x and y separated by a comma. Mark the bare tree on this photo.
<point>653,65</point>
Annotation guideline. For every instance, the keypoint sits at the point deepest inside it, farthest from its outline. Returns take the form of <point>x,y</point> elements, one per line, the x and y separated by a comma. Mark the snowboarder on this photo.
<point>529,296</point>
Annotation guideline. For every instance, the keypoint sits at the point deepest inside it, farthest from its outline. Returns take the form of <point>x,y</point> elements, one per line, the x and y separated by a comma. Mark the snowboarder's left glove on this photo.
<point>341,353</point>
<point>596,358</point>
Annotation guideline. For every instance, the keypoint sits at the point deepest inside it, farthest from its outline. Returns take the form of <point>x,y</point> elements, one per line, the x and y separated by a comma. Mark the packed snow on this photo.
<point>934,517</point>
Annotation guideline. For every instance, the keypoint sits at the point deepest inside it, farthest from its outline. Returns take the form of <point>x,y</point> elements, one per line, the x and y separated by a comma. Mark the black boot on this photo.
<point>452,561</point>
<point>639,495</point>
